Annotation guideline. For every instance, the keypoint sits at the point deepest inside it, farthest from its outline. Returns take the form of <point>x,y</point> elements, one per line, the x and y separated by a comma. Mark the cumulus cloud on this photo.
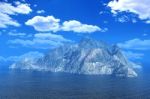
<point>41,41</point>
<point>7,10</point>
<point>50,23</point>
<point>79,27</point>
<point>41,23</point>
<point>138,7</point>
<point>136,44</point>
<point>20,8</point>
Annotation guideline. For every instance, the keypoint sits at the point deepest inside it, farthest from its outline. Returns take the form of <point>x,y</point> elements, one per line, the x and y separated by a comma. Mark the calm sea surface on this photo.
<point>15,84</point>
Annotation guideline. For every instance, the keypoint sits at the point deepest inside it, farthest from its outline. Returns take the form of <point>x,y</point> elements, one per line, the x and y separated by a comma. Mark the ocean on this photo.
<point>23,84</point>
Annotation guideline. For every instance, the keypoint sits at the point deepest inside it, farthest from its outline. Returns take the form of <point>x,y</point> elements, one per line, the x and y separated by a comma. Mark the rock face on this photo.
<point>87,57</point>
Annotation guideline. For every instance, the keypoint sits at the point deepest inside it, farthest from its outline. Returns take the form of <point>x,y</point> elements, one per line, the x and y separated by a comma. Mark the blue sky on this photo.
<point>38,25</point>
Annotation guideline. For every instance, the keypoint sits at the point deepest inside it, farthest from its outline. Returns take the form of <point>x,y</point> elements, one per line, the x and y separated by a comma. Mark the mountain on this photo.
<point>86,57</point>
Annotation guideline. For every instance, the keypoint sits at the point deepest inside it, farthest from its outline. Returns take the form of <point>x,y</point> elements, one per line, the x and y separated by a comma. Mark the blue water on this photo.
<point>15,84</point>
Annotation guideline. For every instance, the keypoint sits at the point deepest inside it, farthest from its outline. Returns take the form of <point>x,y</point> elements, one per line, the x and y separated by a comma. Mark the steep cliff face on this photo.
<point>87,57</point>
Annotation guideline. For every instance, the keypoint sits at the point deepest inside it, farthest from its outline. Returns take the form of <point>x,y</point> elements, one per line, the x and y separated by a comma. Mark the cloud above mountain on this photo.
<point>40,41</point>
<point>29,55</point>
<point>43,24</point>
<point>50,23</point>
<point>132,55</point>
<point>78,27</point>
<point>136,44</point>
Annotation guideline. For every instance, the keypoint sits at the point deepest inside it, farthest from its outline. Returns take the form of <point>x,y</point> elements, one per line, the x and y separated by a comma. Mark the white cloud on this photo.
<point>16,34</point>
<point>35,5</point>
<point>50,23</point>
<point>104,30</point>
<point>6,20</point>
<point>29,55</point>
<point>2,59</point>
<point>136,44</point>
<point>79,27</point>
<point>40,11</point>
<point>19,34</point>
<point>6,0</point>
<point>23,0</point>
<point>148,21</point>
<point>20,8</point>
<point>17,2</point>
<point>123,19</point>
<point>7,10</point>
<point>41,23</point>
<point>145,34</point>
<point>138,7</point>
<point>41,40</point>
<point>133,55</point>
<point>50,36</point>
